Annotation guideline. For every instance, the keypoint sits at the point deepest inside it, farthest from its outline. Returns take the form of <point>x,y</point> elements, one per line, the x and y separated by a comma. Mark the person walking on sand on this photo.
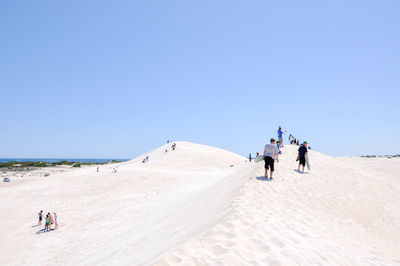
<point>280,137</point>
<point>302,156</point>
<point>40,217</point>
<point>270,153</point>
<point>249,157</point>
<point>55,221</point>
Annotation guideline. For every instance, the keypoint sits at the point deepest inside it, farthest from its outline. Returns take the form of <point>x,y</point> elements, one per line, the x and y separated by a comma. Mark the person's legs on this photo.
<point>271,164</point>
<point>302,162</point>
<point>266,166</point>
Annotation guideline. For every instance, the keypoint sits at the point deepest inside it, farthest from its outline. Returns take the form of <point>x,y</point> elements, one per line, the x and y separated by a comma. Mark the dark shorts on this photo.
<point>302,161</point>
<point>269,162</point>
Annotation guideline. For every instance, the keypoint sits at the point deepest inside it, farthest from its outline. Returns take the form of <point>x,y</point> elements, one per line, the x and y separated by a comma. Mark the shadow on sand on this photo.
<point>262,178</point>
<point>300,172</point>
<point>41,231</point>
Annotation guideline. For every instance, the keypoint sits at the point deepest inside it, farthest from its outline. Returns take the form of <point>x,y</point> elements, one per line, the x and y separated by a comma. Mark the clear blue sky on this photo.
<point>114,79</point>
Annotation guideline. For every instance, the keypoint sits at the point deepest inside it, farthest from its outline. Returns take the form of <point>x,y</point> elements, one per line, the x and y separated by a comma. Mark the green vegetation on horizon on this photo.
<point>18,164</point>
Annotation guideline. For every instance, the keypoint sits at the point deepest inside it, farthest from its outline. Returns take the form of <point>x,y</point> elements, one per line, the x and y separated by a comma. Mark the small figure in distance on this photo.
<point>47,223</point>
<point>302,156</point>
<point>55,221</point>
<point>173,146</point>
<point>249,157</point>
<point>51,220</point>
<point>280,137</point>
<point>270,153</point>
<point>40,217</point>
<point>298,143</point>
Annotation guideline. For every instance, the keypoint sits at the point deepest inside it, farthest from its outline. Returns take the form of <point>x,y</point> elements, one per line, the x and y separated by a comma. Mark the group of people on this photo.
<point>173,146</point>
<point>272,151</point>
<point>49,221</point>
<point>293,140</point>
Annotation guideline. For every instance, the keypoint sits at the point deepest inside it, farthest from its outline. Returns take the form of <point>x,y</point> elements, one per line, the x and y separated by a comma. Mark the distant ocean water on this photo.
<point>54,160</point>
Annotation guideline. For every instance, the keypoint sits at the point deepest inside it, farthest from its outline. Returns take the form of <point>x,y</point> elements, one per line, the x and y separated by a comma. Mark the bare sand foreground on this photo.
<point>201,205</point>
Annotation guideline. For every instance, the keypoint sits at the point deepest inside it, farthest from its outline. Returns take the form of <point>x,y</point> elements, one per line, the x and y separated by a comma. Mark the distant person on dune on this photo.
<point>55,221</point>
<point>250,157</point>
<point>270,153</point>
<point>40,217</point>
<point>280,136</point>
<point>47,223</point>
<point>298,143</point>
<point>302,156</point>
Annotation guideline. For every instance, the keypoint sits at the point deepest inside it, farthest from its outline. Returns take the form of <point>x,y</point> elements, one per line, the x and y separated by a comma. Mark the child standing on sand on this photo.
<point>47,224</point>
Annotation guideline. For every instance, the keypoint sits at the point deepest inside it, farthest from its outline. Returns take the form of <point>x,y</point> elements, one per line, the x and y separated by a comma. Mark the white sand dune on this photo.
<point>132,216</point>
<point>340,213</point>
<point>191,207</point>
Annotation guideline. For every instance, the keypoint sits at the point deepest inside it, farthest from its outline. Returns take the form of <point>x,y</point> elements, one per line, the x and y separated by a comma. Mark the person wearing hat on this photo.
<point>302,156</point>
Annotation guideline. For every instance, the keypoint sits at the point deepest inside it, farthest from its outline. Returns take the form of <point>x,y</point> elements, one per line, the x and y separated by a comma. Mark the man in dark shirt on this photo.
<point>302,155</point>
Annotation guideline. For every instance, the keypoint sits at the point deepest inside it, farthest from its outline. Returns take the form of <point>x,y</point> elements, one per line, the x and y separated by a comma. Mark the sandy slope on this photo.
<point>343,212</point>
<point>134,215</point>
<point>191,207</point>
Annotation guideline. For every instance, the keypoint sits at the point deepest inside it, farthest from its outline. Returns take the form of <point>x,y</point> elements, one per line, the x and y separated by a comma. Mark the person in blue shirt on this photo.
<point>277,146</point>
<point>280,136</point>
<point>302,156</point>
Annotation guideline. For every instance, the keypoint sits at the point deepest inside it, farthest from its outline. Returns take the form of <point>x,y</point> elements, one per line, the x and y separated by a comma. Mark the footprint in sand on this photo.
<point>217,251</point>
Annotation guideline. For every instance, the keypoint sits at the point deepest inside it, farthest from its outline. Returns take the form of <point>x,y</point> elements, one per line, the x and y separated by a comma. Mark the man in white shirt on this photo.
<point>270,153</point>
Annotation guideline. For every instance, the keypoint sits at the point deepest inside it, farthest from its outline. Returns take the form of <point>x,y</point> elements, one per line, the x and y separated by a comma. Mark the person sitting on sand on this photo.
<point>40,217</point>
<point>55,221</point>
<point>270,152</point>
<point>302,156</point>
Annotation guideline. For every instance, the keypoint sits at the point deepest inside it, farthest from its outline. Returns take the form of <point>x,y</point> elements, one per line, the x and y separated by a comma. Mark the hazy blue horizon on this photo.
<point>105,79</point>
